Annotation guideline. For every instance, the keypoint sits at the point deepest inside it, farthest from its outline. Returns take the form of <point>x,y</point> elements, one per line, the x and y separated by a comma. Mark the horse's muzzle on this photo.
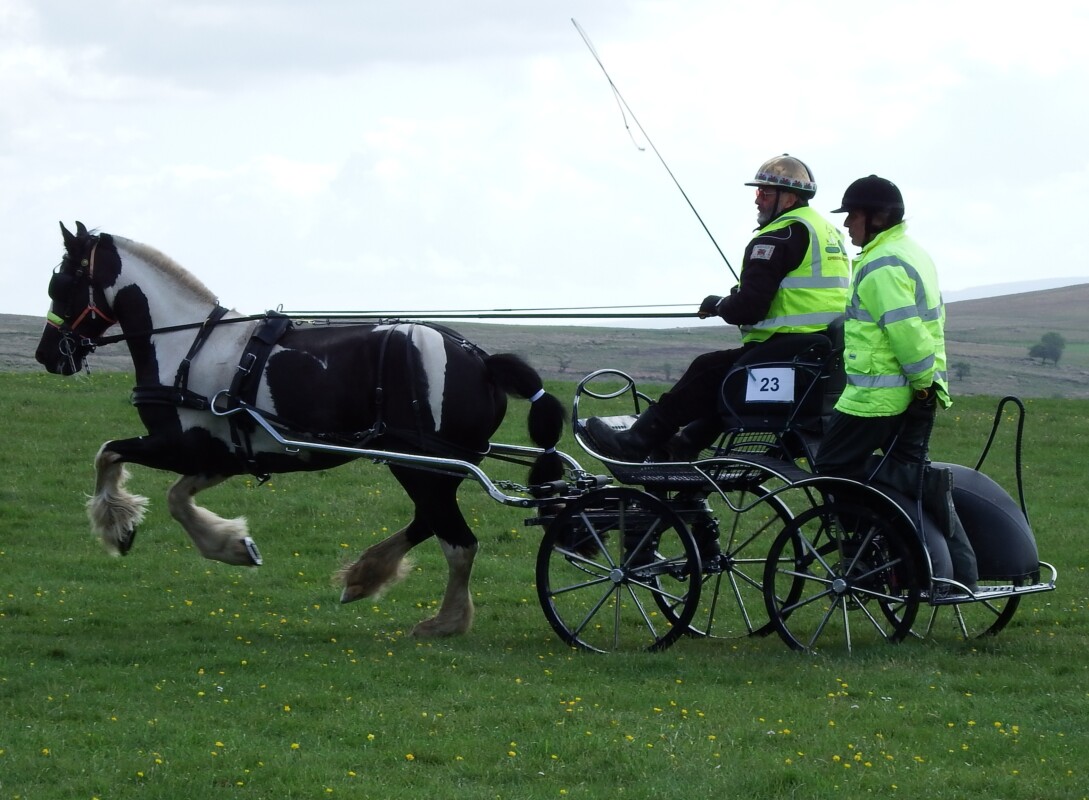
<point>59,352</point>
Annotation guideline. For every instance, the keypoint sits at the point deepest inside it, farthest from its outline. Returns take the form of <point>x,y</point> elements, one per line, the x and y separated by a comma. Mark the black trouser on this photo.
<point>849,442</point>
<point>846,450</point>
<point>695,395</point>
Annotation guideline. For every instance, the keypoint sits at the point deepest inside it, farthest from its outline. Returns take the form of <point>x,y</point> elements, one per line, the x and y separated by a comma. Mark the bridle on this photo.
<point>67,314</point>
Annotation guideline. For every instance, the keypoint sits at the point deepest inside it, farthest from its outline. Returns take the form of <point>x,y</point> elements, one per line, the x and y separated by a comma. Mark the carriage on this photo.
<point>740,539</point>
<point>746,540</point>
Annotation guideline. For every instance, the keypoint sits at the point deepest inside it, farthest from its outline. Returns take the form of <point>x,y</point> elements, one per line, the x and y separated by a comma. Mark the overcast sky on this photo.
<point>469,154</point>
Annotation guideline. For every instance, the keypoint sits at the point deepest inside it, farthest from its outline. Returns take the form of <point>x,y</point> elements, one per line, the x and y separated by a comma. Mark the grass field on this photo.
<point>161,675</point>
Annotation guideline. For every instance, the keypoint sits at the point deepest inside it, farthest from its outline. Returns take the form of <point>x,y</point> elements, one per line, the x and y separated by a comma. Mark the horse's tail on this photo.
<point>514,376</point>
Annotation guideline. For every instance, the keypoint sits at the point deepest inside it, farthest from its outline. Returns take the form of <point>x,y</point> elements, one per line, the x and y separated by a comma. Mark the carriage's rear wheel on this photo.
<point>607,566</point>
<point>732,591</point>
<point>841,574</point>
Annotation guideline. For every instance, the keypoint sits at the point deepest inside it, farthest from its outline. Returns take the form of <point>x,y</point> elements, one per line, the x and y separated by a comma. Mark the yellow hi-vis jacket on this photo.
<point>814,294</point>
<point>894,334</point>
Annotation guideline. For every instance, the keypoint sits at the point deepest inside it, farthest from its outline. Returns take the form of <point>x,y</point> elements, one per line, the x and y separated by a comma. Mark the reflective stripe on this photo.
<point>898,315</point>
<point>814,243</point>
<point>816,282</point>
<point>922,365</point>
<point>887,381</point>
<point>824,318</point>
<point>877,381</point>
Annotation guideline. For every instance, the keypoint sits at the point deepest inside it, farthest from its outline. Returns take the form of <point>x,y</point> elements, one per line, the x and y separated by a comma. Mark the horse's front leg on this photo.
<point>381,565</point>
<point>114,512</point>
<point>219,539</point>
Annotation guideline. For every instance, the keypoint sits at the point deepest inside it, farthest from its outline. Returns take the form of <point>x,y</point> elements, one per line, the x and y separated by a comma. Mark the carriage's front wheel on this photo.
<point>607,565</point>
<point>841,574</point>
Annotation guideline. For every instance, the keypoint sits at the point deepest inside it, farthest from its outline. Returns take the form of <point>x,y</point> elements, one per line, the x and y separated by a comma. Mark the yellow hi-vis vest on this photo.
<point>814,294</point>
<point>894,334</point>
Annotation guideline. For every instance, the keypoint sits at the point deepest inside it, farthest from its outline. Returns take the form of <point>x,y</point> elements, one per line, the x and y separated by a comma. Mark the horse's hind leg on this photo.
<point>219,539</point>
<point>456,612</point>
<point>114,512</point>
<point>435,498</point>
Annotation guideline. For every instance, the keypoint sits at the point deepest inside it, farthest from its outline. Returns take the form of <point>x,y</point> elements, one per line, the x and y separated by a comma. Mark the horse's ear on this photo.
<point>69,240</point>
<point>81,229</point>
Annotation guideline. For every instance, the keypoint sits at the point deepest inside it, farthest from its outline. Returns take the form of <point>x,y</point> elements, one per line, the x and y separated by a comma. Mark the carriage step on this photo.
<point>955,596</point>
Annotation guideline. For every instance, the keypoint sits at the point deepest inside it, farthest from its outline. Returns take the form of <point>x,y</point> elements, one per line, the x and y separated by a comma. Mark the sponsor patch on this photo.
<point>762,251</point>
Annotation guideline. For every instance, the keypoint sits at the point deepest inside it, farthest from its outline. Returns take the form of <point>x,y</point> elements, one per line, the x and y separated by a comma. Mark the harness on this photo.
<point>242,393</point>
<point>243,390</point>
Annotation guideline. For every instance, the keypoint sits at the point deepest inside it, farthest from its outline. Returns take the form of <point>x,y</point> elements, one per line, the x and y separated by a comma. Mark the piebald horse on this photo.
<point>402,387</point>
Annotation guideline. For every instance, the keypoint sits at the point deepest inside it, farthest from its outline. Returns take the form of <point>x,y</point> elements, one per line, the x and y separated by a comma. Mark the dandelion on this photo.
<point>409,757</point>
<point>294,745</point>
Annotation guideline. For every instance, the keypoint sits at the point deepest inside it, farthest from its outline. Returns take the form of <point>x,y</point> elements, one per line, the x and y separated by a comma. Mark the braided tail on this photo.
<point>546,413</point>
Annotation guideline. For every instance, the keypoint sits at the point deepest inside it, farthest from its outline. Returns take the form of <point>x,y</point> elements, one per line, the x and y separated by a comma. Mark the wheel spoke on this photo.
<point>609,566</point>
<point>824,576</point>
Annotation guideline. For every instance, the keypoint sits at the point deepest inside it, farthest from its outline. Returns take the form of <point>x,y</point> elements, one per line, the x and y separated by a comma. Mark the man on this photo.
<point>894,356</point>
<point>794,279</point>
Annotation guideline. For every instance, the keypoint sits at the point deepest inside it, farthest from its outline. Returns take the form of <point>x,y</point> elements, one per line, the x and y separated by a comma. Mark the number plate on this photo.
<point>770,385</point>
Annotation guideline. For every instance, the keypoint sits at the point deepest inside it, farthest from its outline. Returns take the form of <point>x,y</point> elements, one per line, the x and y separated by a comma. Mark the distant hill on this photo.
<point>1017,287</point>
<point>988,341</point>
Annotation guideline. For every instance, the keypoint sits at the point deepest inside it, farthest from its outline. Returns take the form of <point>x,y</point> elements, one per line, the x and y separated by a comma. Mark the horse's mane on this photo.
<point>164,263</point>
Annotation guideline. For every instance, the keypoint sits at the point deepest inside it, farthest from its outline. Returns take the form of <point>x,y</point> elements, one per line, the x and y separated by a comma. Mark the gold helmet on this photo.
<point>786,172</point>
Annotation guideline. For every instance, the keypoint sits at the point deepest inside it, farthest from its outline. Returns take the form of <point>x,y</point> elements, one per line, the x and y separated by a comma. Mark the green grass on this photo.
<point>161,675</point>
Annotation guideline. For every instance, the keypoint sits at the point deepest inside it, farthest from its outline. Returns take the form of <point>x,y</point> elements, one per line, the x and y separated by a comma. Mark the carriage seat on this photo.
<point>782,390</point>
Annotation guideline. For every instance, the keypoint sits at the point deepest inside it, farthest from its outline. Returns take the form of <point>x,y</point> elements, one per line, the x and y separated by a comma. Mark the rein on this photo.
<point>188,326</point>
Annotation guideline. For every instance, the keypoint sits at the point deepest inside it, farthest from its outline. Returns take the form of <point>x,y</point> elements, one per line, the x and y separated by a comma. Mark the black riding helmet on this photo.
<point>874,194</point>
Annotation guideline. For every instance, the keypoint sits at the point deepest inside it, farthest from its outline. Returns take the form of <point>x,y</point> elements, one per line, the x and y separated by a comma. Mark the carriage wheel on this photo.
<point>732,593</point>
<point>842,574</point>
<point>973,619</point>
<point>607,565</point>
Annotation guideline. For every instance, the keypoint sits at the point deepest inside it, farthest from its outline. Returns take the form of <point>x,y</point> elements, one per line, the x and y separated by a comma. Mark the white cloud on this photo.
<point>472,154</point>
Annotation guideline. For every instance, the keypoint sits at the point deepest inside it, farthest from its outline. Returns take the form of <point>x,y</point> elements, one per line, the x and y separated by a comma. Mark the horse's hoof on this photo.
<point>124,544</point>
<point>253,552</point>
<point>434,628</point>
<point>351,594</point>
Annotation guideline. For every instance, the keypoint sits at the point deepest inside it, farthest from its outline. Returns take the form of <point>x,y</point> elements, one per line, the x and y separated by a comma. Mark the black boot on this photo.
<point>634,444</point>
<point>938,503</point>
<point>691,440</point>
<point>938,498</point>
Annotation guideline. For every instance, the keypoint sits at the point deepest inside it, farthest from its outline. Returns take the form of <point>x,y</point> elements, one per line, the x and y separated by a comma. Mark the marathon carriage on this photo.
<point>746,539</point>
<point>742,540</point>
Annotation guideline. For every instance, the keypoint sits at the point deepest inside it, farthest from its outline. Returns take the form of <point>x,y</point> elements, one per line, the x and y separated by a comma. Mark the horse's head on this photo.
<point>79,311</point>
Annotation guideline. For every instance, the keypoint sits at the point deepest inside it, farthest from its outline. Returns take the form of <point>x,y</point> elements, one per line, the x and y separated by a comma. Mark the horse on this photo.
<point>401,387</point>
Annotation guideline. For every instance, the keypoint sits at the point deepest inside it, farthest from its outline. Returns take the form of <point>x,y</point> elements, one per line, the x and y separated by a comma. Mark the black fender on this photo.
<point>997,528</point>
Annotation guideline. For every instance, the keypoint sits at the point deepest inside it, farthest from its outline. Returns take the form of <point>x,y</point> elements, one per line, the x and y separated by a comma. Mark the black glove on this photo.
<point>709,306</point>
<point>926,398</point>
